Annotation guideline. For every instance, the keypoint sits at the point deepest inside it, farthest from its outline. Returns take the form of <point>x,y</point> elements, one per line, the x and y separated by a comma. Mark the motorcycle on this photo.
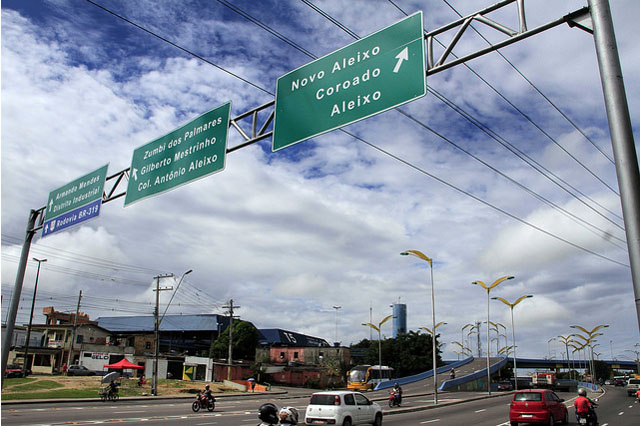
<point>394,399</point>
<point>589,419</point>
<point>203,401</point>
<point>108,393</point>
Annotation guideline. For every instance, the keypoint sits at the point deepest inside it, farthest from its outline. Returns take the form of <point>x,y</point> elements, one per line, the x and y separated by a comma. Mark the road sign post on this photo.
<point>75,202</point>
<point>369,76</point>
<point>191,152</point>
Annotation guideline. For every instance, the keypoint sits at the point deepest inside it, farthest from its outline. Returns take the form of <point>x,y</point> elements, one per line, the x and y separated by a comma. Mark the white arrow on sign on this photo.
<point>135,174</point>
<point>402,56</point>
<point>50,204</point>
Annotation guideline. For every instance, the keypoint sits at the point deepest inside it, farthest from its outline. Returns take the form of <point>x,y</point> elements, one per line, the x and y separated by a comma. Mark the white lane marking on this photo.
<point>621,413</point>
<point>480,411</point>
<point>429,421</point>
<point>128,412</point>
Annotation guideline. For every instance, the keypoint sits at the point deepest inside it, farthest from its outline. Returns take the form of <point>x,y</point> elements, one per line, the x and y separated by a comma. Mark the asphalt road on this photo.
<point>615,409</point>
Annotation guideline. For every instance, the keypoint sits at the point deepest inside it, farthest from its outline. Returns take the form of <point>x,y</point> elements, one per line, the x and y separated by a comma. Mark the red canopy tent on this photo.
<point>124,364</point>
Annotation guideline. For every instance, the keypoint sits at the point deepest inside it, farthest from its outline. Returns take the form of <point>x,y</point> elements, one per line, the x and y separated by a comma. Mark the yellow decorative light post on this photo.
<point>378,328</point>
<point>422,256</point>
<point>488,288</point>
<point>513,333</point>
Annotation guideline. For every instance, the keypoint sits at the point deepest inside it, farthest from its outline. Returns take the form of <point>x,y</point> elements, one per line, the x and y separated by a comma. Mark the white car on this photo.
<point>632,386</point>
<point>344,408</point>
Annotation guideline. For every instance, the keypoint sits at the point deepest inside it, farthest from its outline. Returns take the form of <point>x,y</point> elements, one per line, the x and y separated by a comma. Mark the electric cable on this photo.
<point>398,158</point>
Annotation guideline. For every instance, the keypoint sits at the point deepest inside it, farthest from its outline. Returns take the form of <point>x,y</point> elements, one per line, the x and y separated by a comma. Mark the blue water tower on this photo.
<point>399,319</point>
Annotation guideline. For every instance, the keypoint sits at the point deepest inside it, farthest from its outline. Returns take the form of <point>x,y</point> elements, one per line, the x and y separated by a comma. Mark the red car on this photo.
<point>537,406</point>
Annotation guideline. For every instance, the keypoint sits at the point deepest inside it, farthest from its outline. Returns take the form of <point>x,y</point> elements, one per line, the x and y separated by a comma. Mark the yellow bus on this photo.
<point>367,377</point>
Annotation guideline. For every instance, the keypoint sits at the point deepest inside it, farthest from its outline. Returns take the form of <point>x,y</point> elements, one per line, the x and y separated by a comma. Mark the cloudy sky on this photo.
<point>291,234</point>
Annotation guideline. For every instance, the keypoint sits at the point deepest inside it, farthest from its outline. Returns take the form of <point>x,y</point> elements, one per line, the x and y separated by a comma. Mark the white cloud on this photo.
<point>320,224</point>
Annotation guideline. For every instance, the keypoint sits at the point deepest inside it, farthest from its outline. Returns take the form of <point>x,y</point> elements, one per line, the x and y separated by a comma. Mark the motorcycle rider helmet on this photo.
<point>207,387</point>
<point>268,413</point>
<point>289,415</point>
<point>582,392</point>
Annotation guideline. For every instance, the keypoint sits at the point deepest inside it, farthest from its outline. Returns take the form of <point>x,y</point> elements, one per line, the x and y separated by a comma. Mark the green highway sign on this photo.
<point>369,76</point>
<point>74,202</point>
<point>191,152</point>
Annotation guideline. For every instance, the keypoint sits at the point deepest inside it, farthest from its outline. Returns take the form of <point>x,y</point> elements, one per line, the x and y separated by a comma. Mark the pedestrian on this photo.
<point>64,369</point>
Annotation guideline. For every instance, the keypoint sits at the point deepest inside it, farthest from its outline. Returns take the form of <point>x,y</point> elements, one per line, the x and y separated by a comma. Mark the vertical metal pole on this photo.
<point>624,151</point>
<point>156,341</point>
<point>33,304</point>
<point>513,338</point>
<point>433,338</point>
<point>488,347</point>
<point>15,299</point>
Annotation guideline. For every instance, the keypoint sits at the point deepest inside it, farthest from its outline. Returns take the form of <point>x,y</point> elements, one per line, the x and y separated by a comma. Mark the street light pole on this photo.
<point>488,288</point>
<point>33,303</point>
<point>336,336</point>
<point>378,328</point>
<point>422,256</point>
<point>513,333</point>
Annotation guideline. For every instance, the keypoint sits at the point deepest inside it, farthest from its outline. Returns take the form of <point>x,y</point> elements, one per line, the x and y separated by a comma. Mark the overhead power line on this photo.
<point>391,155</point>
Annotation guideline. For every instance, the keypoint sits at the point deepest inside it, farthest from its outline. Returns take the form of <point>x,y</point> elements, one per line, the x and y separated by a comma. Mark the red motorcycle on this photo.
<point>394,399</point>
<point>202,401</point>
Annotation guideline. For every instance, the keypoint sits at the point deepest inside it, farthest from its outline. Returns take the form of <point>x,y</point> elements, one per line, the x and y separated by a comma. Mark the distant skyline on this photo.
<point>289,234</point>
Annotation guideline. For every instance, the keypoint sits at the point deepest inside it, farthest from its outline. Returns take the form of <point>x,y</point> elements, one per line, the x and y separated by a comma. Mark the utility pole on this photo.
<point>156,334</point>
<point>230,307</point>
<point>33,303</point>
<point>75,324</point>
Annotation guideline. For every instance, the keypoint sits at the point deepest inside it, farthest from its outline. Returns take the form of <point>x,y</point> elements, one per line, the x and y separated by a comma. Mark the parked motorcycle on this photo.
<point>394,399</point>
<point>203,401</point>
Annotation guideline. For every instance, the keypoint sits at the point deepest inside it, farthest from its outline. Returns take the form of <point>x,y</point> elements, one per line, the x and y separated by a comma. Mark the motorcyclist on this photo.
<point>113,388</point>
<point>638,393</point>
<point>207,393</point>
<point>397,391</point>
<point>584,406</point>
<point>288,416</point>
<point>268,413</point>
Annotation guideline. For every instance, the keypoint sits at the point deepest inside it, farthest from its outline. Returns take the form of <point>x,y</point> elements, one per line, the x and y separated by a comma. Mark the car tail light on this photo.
<point>336,400</point>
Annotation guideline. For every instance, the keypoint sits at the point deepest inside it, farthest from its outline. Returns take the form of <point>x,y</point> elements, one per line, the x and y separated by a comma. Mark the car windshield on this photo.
<point>634,381</point>
<point>528,396</point>
<point>323,399</point>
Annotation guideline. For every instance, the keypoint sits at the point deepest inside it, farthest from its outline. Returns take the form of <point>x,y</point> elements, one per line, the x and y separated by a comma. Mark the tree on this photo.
<point>245,341</point>
<point>409,353</point>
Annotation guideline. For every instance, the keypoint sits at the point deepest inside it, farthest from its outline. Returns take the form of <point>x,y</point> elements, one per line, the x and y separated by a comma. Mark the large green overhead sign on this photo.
<point>369,76</point>
<point>191,152</point>
<point>75,202</point>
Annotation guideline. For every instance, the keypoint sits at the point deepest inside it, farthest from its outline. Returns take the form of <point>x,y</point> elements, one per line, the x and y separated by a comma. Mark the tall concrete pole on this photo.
<point>624,150</point>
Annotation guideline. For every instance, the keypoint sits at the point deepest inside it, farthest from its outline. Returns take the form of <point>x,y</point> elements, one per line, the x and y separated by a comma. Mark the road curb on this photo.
<point>133,398</point>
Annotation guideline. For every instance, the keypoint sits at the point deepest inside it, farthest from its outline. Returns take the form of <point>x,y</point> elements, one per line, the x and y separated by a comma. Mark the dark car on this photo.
<point>620,381</point>
<point>505,386</point>
<point>79,370</point>
<point>537,406</point>
<point>15,370</point>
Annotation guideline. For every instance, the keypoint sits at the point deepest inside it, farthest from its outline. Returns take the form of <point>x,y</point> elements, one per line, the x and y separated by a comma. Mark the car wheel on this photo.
<point>514,423</point>
<point>378,420</point>
<point>565,420</point>
<point>551,421</point>
<point>346,422</point>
